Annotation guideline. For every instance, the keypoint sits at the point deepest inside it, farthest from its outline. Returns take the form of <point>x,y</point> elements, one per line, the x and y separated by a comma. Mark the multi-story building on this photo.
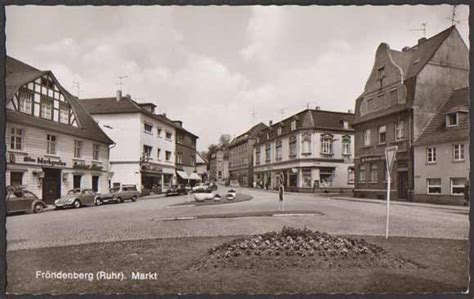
<point>403,92</point>
<point>442,153</point>
<point>219,165</point>
<point>241,156</point>
<point>145,148</point>
<point>202,167</point>
<point>186,155</point>
<point>53,144</point>
<point>312,149</point>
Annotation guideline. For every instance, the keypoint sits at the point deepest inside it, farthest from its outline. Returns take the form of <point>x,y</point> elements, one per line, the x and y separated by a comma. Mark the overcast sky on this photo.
<point>212,66</point>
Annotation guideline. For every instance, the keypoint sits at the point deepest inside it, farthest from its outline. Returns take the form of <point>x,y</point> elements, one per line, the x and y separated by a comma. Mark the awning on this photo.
<point>195,176</point>
<point>182,174</point>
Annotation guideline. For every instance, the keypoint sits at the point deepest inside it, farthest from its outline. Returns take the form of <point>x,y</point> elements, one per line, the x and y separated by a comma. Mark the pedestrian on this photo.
<point>466,193</point>
<point>281,191</point>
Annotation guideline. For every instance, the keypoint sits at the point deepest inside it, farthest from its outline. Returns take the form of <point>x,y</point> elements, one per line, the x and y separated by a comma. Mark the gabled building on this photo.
<point>404,91</point>
<point>313,150</point>
<point>53,144</point>
<point>186,155</point>
<point>241,156</point>
<point>145,150</point>
<point>442,153</point>
<point>219,165</point>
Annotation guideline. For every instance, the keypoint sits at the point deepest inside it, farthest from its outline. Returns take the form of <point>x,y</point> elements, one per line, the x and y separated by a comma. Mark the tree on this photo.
<point>224,140</point>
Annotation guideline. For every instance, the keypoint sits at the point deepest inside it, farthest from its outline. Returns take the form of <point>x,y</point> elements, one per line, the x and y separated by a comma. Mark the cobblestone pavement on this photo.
<point>141,220</point>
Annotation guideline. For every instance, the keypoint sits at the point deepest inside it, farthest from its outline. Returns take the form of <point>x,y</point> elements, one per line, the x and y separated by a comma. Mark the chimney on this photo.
<point>270,123</point>
<point>317,108</point>
<point>119,95</point>
<point>421,40</point>
<point>404,49</point>
<point>129,96</point>
<point>349,111</point>
<point>164,115</point>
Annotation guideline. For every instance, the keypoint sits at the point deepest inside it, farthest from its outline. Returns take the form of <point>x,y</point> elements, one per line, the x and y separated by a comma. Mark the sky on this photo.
<point>220,69</point>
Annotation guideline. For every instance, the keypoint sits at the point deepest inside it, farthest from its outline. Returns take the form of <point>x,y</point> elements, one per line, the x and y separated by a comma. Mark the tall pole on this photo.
<point>388,202</point>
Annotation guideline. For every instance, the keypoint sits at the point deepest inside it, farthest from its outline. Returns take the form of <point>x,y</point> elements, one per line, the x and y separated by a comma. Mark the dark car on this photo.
<point>177,190</point>
<point>19,200</point>
<point>212,186</point>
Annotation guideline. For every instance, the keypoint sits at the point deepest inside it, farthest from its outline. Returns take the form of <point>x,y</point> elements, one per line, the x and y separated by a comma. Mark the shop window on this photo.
<point>46,109</point>
<point>16,139</point>
<point>361,173</point>
<point>366,136</point>
<point>431,155</point>
<point>77,149</point>
<point>96,152</point>
<point>51,145</point>
<point>350,175</point>
<point>306,144</point>
<point>25,100</point>
<point>325,177</point>
<point>326,144</point>
<point>278,150</point>
<point>451,119</point>
<point>373,172</point>
<point>77,181</point>
<point>16,178</point>
<point>457,186</point>
<point>433,186</point>
<point>382,135</point>
<point>458,152</point>
<point>399,130</point>
<point>307,179</point>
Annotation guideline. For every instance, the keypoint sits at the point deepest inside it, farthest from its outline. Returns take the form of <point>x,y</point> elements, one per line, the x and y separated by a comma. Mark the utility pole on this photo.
<point>453,16</point>
<point>77,87</point>
<point>121,80</point>
<point>423,28</point>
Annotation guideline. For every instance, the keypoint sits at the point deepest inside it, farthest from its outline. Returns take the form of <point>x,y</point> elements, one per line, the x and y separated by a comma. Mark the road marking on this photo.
<point>293,215</point>
<point>180,206</point>
<point>176,218</point>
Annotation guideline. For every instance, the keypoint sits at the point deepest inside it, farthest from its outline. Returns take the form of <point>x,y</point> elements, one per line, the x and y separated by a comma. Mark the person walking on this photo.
<point>281,191</point>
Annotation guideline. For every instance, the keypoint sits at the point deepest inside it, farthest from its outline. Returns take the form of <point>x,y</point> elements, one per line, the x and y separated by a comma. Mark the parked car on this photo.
<point>205,194</point>
<point>231,194</point>
<point>106,197</point>
<point>126,192</point>
<point>176,190</point>
<point>212,186</point>
<point>76,198</point>
<point>200,186</point>
<point>19,200</point>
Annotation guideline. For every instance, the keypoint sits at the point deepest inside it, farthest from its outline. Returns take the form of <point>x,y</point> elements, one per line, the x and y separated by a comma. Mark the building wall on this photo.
<point>158,142</point>
<point>445,168</point>
<point>188,150</point>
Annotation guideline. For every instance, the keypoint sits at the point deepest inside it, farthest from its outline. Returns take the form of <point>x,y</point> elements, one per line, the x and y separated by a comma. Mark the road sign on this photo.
<point>390,157</point>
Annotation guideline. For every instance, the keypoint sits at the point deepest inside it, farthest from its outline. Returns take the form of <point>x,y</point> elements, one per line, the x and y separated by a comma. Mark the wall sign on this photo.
<point>43,161</point>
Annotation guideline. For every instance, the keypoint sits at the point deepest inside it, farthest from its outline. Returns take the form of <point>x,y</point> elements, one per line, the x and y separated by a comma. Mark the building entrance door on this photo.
<point>51,185</point>
<point>95,183</point>
<point>403,184</point>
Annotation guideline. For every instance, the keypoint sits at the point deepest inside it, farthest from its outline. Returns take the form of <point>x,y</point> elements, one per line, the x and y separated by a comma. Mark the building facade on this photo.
<point>53,144</point>
<point>186,156</point>
<point>202,167</point>
<point>145,148</point>
<point>219,165</point>
<point>313,150</point>
<point>404,91</point>
<point>241,156</point>
<point>442,153</point>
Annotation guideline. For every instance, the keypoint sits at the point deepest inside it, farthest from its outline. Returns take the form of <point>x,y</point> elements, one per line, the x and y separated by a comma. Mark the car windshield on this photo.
<point>73,191</point>
<point>112,190</point>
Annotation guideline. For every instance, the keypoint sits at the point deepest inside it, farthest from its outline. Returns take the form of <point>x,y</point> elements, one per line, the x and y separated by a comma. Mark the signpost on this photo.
<point>390,157</point>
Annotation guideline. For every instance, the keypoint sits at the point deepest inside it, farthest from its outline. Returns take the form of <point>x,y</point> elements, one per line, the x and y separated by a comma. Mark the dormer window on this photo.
<point>451,119</point>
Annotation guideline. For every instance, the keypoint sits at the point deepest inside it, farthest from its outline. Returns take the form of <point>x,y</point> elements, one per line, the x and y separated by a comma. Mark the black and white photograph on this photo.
<point>237,149</point>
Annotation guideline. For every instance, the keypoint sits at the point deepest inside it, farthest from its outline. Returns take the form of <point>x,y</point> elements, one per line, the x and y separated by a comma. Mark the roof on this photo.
<point>110,105</point>
<point>18,74</point>
<point>436,131</point>
<point>252,132</point>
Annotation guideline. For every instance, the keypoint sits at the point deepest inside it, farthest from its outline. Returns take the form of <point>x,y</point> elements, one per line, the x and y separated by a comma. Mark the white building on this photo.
<point>53,144</point>
<point>145,148</point>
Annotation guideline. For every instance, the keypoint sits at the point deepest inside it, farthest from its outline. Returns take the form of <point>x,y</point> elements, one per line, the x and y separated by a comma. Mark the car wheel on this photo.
<point>77,204</point>
<point>134,198</point>
<point>120,200</point>
<point>98,202</point>
<point>38,208</point>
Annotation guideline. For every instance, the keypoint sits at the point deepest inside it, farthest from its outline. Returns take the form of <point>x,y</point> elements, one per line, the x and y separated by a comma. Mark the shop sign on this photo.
<point>80,165</point>
<point>370,159</point>
<point>153,168</point>
<point>43,161</point>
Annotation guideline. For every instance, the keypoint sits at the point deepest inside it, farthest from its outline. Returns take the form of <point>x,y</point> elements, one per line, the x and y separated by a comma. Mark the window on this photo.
<point>16,178</point>
<point>431,155</point>
<point>179,138</point>
<point>325,177</point>
<point>433,186</point>
<point>169,135</point>
<point>345,124</point>
<point>16,139</point>
<point>279,131</point>
<point>46,110</point>
<point>326,144</point>
<point>147,151</point>
<point>257,155</point>
<point>278,150</point>
<point>306,174</point>
<point>451,119</point>
<point>382,135</point>
<point>292,145</point>
<point>361,173</point>
<point>47,83</point>
<point>158,132</point>
<point>96,152</point>
<point>373,172</point>
<point>179,158</point>
<point>457,186</point>
<point>399,130</point>
<point>77,149</point>
<point>148,128</point>
<point>293,125</point>
<point>25,99</point>
<point>458,152</point>
<point>306,144</point>
<point>51,145</point>
<point>366,137</point>
<point>167,155</point>
<point>63,114</point>
<point>346,145</point>
<point>268,151</point>
<point>158,154</point>
<point>393,98</point>
<point>381,73</point>
<point>350,175</point>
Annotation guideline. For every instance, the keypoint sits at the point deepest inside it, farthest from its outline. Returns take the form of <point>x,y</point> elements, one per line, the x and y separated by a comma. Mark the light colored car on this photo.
<point>76,198</point>
<point>198,187</point>
<point>231,194</point>
<point>126,192</point>
<point>19,200</point>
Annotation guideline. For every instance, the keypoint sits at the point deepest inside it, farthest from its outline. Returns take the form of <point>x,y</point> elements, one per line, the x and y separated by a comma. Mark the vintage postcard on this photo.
<point>237,149</point>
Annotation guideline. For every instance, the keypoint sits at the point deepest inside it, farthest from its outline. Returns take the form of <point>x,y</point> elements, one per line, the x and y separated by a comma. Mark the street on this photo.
<point>145,219</point>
